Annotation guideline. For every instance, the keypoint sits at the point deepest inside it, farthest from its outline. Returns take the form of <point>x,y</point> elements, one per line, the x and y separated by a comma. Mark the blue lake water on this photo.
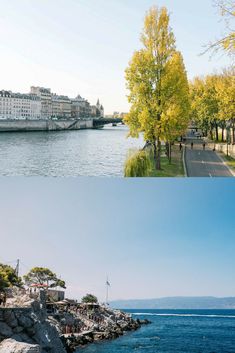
<point>66,153</point>
<point>176,331</point>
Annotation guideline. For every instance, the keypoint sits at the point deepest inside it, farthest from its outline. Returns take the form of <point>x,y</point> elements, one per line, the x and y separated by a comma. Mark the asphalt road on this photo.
<point>200,163</point>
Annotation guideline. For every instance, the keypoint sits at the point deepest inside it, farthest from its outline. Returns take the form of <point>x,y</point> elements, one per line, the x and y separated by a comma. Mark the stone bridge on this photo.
<point>98,123</point>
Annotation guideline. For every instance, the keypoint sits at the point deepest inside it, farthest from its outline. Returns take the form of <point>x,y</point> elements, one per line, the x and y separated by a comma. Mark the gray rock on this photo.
<point>31,331</point>
<point>47,337</point>
<point>41,336</point>
<point>5,330</point>
<point>1,314</point>
<point>12,346</point>
<point>18,329</point>
<point>25,321</point>
<point>17,338</point>
<point>10,319</point>
<point>25,338</point>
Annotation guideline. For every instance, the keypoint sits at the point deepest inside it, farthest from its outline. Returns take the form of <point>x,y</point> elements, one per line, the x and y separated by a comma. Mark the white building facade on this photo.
<point>81,108</point>
<point>61,107</point>
<point>41,103</point>
<point>19,106</point>
<point>45,96</point>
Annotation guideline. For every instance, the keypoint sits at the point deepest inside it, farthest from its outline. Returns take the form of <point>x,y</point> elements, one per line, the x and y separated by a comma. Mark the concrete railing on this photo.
<point>223,148</point>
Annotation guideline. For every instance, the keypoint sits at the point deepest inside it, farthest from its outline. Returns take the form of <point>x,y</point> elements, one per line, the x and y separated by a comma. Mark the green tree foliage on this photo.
<point>43,276</point>
<point>158,86</point>
<point>8,277</point>
<point>138,165</point>
<point>4,283</point>
<point>89,298</point>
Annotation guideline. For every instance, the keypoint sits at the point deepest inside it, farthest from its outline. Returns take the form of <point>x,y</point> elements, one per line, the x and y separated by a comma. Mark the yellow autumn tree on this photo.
<point>199,115</point>
<point>157,82</point>
<point>213,103</point>
<point>227,42</point>
<point>176,105</point>
<point>225,89</point>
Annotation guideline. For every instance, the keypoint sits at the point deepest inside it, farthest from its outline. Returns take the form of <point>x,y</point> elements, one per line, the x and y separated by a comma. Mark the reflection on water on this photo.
<point>66,153</point>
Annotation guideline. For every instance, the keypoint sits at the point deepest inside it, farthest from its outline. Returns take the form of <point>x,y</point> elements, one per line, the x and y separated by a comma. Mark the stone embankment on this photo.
<point>44,125</point>
<point>26,324</point>
<point>24,327</point>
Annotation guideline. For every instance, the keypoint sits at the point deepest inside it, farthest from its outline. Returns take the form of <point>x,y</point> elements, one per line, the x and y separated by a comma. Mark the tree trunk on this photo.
<point>159,149</point>
<point>167,150</point>
<point>155,152</point>
<point>233,134</point>
<point>170,152</point>
<point>216,133</point>
<point>211,133</point>
<point>222,134</point>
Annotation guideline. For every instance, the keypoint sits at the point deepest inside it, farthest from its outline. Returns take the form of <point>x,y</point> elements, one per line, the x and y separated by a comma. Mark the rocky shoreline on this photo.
<point>28,324</point>
<point>114,331</point>
<point>73,341</point>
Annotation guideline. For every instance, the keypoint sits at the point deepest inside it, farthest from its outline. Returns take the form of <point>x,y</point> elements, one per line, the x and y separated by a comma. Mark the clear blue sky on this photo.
<point>153,237</point>
<point>83,46</point>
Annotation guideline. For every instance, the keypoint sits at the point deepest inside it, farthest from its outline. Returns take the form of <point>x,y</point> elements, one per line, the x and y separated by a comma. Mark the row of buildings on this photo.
<point>41,103</point>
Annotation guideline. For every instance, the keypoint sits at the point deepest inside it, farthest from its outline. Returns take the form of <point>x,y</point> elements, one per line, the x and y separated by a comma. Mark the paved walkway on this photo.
<point>200,163</point>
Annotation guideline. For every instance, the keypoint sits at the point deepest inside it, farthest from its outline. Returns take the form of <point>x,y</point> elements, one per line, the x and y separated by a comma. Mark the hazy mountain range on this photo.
<point>176,303</point>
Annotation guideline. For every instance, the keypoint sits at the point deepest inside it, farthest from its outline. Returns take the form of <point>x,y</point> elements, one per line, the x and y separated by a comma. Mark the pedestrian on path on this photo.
<point>181,146</point>
<point>191,145</point>
<point>204,146</point>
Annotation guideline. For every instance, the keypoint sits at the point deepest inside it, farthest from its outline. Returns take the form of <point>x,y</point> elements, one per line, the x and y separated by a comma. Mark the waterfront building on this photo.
<point>41,103</point>
<point>46,100</point>
<point>56,295</point>
<point>94,111</point>
<point>97,111</point>
<point>100,109</point>
<point>61,107</point>
<point>19,106</point>
<point>116,114</point>
<point>81,108</point>
<point>119,115</point>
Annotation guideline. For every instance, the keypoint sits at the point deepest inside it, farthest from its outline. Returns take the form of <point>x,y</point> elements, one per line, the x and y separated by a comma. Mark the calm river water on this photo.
<point>66,153</point>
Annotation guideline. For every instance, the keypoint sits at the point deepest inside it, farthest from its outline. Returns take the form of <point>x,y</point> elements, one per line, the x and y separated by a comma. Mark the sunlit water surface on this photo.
<point>176,331</point>
<point>66,153</point>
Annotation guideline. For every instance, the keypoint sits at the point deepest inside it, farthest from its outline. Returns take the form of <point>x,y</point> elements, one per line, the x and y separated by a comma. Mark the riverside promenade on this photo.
<point>204,163</point>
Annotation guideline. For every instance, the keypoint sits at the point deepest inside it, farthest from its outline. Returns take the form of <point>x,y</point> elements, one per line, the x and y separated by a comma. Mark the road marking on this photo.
<point>224,163</point>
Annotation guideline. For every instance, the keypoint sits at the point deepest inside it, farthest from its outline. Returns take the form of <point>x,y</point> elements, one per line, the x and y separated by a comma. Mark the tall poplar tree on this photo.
<point>213,103</point>
<point>227,42</point>
<point>157,83</point>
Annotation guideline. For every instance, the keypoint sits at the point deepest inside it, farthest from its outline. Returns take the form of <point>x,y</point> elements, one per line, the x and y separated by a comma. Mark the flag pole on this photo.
<point>107,290</point>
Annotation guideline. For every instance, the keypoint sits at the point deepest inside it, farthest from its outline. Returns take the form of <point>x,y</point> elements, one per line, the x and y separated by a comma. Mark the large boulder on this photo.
<point>12,346</point>
<point>48,338</point>
<point>5,330</point>
<point>9,318</point>
<point>25,321</point>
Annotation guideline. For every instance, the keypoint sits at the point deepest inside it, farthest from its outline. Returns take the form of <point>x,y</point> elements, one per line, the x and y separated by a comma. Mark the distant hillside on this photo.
<point>176,303</point>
